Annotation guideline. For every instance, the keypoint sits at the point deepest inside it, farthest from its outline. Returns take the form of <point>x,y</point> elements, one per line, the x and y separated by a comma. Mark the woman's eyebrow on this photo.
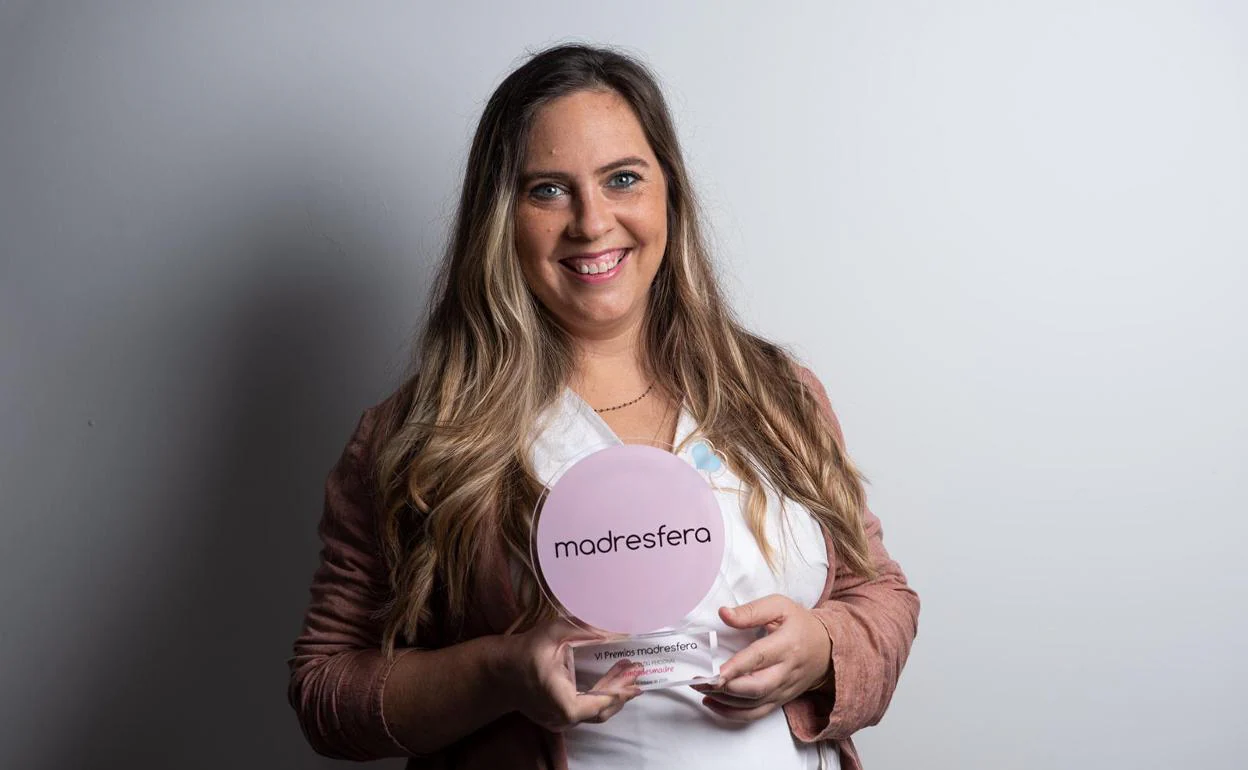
<point>632,160</point>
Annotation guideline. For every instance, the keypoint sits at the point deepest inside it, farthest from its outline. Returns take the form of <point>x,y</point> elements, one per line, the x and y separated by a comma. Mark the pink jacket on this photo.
<point>337,671</point>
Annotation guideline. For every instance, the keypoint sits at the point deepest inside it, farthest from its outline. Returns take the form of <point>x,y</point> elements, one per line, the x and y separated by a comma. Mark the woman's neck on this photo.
<point>610,370</point>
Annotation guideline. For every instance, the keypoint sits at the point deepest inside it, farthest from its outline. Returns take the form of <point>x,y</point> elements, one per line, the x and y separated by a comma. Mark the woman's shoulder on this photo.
<point>816,388</point>
<point>381,420</point>
<point>807,377</point>
<point>386,409</point>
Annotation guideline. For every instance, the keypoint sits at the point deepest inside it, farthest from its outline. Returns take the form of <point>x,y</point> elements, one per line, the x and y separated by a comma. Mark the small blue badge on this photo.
<point>705,458</point>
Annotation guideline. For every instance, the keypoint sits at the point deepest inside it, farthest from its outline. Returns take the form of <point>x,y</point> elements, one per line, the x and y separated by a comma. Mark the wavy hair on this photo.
<point>454,480</point>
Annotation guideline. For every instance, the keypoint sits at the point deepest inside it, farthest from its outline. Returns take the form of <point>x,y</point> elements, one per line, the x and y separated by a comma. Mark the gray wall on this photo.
<point>1010,237</point>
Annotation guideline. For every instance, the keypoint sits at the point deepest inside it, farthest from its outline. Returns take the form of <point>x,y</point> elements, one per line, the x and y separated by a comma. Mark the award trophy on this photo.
<point>627,542</point>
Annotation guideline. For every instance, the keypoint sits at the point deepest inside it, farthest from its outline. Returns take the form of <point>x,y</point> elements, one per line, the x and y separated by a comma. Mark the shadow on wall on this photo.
<point>196,671</point>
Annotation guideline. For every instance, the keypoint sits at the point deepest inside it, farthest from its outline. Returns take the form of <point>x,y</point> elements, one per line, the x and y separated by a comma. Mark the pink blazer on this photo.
<point>337,672</point>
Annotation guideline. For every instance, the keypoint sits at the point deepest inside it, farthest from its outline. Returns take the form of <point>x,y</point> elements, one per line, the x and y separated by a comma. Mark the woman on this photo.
<point>576,275</point>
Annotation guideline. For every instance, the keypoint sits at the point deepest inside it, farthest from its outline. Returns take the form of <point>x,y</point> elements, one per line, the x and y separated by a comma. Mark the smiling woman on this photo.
<point>576,274</point>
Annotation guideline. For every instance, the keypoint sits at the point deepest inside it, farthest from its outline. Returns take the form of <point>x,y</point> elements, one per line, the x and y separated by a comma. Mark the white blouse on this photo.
<point>670,728</point>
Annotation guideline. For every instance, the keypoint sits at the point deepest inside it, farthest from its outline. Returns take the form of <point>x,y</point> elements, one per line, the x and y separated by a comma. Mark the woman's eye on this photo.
<point>625,179</point>
<point>545,191</point>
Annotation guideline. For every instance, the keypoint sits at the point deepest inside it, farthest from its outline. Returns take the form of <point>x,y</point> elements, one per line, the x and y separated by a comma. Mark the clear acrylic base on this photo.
<point>666,659</point>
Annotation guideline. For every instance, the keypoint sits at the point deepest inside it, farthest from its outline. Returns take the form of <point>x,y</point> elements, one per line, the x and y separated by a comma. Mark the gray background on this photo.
<point>1010,237</point>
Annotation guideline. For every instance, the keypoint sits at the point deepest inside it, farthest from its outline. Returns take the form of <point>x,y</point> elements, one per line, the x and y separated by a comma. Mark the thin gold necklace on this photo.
<point>627,403</point>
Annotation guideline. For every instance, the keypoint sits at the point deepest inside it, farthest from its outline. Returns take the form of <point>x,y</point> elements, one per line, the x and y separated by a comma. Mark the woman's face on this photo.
<point>591,214</point>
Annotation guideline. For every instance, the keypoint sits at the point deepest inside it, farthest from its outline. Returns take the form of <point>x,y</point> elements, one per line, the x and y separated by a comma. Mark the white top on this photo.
<point>670,728</point>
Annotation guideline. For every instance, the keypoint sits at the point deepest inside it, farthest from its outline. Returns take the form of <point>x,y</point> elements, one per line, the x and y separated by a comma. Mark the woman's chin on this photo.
<point>601,322</point>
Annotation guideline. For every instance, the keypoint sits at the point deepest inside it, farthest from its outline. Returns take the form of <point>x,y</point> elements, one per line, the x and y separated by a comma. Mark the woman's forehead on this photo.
<point>583,131</point>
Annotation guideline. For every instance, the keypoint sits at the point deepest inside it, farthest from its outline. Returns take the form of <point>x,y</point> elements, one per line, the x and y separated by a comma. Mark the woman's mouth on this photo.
<point>597,268</point>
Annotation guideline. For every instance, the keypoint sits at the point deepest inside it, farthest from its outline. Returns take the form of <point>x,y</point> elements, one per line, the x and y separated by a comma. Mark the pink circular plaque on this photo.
<point>630,539</point>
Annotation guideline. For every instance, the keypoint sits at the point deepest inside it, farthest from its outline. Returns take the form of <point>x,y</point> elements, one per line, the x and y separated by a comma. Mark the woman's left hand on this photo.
<point>775,669</point>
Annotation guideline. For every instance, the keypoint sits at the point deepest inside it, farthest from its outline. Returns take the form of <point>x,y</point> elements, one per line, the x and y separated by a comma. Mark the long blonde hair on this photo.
<point>454,479</point>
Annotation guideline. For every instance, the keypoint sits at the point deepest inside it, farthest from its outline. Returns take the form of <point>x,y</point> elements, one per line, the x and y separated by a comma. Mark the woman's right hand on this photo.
<point>543,687</point>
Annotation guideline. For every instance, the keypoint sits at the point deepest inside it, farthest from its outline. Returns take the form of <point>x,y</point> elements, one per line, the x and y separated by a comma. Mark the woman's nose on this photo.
<point>591,219</point>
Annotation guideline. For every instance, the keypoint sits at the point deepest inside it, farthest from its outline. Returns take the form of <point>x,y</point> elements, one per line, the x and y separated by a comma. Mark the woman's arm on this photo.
<point>872,625</point>
<point>339,675</point>
<point>354,703</point>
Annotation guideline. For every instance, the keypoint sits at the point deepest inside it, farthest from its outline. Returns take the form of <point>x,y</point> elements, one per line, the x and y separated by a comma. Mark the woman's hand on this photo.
<point>543,687</point>
<point>771,671</point>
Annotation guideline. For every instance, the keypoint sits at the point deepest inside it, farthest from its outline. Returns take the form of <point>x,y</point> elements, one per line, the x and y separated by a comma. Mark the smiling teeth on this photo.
<point>598,267</point>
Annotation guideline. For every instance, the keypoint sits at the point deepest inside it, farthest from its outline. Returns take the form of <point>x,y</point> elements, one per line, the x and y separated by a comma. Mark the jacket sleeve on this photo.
<point>338,671</point>
<point>872,625</point>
